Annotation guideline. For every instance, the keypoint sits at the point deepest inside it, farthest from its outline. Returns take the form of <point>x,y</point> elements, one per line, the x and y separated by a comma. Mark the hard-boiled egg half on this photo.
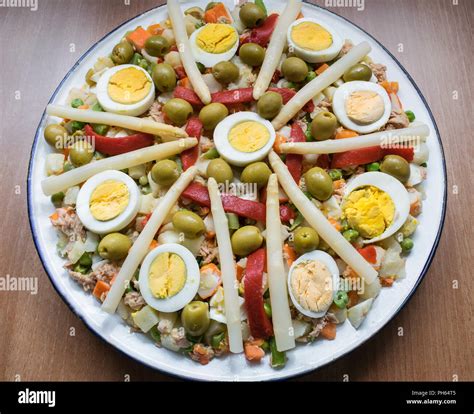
<point>169,277</point>
<point>361,106</point>
<point>214,43</point>
<point>108,202</point>
<point>313,41</point>
<point>313,282</point>
<point>376,205</point>
<point>244,137</point>
<point>126,90</point>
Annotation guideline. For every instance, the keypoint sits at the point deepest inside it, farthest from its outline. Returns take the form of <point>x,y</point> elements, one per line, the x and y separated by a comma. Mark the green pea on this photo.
<point>373,166</point>
<point>76,103</point>
<point>309,136</point>
<point>146,189</point>
<point>100,129</point>
<point>211,154</point>
<point>96,107</point>
<point>155,334</point>
<point>80,269</point>
<point>217,340</point>
<point>86,260</point>
<point>57,199</point>
<point>335,174</point>
<point>77,126</point>
<point>143,180</point>
<point>201,67</point>
<point>411,116</point>
<point>341,300</point>
<point>68,166</point>
<point>350,235</point>
<point>310,76</point>
<point>268,309</point>
<point>407,244</point>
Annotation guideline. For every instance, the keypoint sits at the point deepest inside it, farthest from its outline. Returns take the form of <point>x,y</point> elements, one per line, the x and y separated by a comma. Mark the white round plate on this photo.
<point>304,358</point>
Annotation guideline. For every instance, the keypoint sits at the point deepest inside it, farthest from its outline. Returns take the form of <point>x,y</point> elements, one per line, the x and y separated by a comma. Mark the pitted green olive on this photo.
<point>178,111</point>
<point>269,105</point>
<point>257,172</point>
<point>157,46</point>
<point>357,72</point>
<point>246,240</point>
<point>319,183</point>
<point>323,126</point>
<point>397,167</point>
<point>220,171</point>
<point>294,69</point>
<point>122,53</point>
<point>212,114</point>
<point>165,172</point>
<point>114,246</point>
<point>225,72</point>
<point>305,239</point>
<point>195,318</point>
<point>164,77</point>
<point>188,223</point>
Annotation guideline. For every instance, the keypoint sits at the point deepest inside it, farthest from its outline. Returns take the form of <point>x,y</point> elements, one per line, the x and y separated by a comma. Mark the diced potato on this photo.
<point>146,318</point>
<point>339,314</point>
<point>137,171</point>
<point>168,342</point>
<point>357,313</point>
<point>147,203</point>
<point>55,164</point>
<point>168,316</point>
<point>372,290</point>
<point>300,328</point>
<point>409,227</point>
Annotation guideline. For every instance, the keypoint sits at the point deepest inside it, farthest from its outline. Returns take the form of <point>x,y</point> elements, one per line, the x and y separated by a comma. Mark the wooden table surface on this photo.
<point>38,48</point>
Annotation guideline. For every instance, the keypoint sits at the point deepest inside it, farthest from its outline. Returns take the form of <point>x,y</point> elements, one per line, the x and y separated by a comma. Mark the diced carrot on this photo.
<point>210,234</point>
<point>353,298</point>
<point>66,152</point>
<point>239,272</point>
<point>329,331</point>
<point>387,281</point>
<point>279,139</point>
<point>54,216</point>
<point>300,16</point>
<point>335,224</point>
<point>153,244</point>
<point>185,83</point>
<point>138,37</point>
<point>211,267</point>
<point>85,106</point>
<point>338,184</point>
<point>322,68</point>
<point>253,350</point>
<point>345,133</point>
<point>101,287</point>
<point>289,254</point>
<point>155,29</point>
<point>113,279</point>
<point>390,87</point>
<point>218,11</point>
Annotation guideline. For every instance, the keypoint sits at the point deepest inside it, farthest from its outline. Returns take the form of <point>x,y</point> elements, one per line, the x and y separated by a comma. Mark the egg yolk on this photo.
<point>311,36</point>
<point>364,107</point>
<point>167,275</point>
<point>311,285</point>
<point>128,86</point>
<point>369,210</point>
<point>109,200</point>
<point>248,136</point>
<point>216,38</point>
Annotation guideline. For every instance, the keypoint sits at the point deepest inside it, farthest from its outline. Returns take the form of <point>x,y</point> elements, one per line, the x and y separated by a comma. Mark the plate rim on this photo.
<point>429,260</point>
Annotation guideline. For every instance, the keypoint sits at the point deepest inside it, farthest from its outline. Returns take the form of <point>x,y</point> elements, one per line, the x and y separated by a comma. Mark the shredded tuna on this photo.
<point>178,336</point>
<point>134,300</point>
<point>105,271</point>
<point>209,251</point>
<point>379,71</point>
<point>68,223</point>
<point>87,281</point>
<point>348,45</point>
<point>206,144</point>
<point>165,326</point>
<point>155,112</point>
<point>202,354</point>
<point>398,118</point>
<point>319,324</point>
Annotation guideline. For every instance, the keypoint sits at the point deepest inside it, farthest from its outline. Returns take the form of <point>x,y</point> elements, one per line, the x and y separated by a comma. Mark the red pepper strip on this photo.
<point>116,146</point>
<point>245,208</point>
<point>368,155</point>
<point>276,76</point>
<point>190,156</point>
<point>294,162</point>
<point>180,72</point>
<point>323,161</point>
<point>369,253</point>
<point>262,34</point>
<point>287,94</point>
<point>286,213</point>
<point>188,95</point>
<point>233,96</point>
<point>259,323</point>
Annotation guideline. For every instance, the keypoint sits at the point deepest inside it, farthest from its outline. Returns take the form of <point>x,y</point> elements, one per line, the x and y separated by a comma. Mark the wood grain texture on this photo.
<point>38,48</point>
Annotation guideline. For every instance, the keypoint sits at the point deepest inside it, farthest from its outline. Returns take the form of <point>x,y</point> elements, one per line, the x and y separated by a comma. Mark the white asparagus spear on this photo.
<point>318,84</point>
<point>316,219</point>
<point>184,48</point>
<point>277,277</point>
<point>275,47</point>
<point>414,134</point>
<point>148,126</point>
<point>229,278</point>
<point>57,183</point>
<point>141,246</point>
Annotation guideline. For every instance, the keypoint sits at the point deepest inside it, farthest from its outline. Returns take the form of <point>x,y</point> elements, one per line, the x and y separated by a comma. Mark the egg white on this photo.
<point>119,222</point>
<point>210,59</point>
<point>344,91</point>
<point>232,155</point>
<point>190,288</point>
<point>394,188</point>
<point>110,105</point>
<point>313,56</point>
<point>323,257</point>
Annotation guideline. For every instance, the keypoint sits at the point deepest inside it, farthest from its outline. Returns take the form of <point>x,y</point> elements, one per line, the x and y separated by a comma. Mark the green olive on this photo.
<point>212,114</point>
<point>157,46</point>
<point>178,111</point>
<point>269,105</point>
<point>225,72</point>
<point>220,171</point>
<point>89,75</point>
<point>114,246</point>
<point>165,172</point>
<point>257,172</point>
<point>55,135</point>
<point>396,166</point>
<point>164,77</point>
<point>323,126</point>
<point>195,318</point>
<point>294,69</point>
<point>196,12</point>
<point>252,54</point>
<point>251,15</point>
<point>81,153</point>
<point>122,53</point>
<point>211,5</point>
<point>188,223</point>
<point>305,239</point>
<point>246,240</point>
<point>319,183</point>
<point>357,72</point>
